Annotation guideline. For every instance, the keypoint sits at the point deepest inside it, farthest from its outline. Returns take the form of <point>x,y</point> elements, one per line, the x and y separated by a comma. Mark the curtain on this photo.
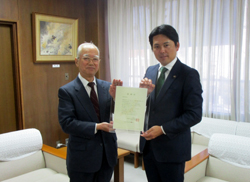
<point>214,39</point>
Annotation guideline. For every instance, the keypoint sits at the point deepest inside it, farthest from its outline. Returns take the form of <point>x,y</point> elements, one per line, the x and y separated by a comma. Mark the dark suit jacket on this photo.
<point>177,107</point>
<point>77,117</point>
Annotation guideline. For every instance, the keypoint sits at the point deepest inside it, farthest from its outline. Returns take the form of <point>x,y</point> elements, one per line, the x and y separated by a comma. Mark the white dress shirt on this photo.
<point>169,66</point>
<point>88,88</point>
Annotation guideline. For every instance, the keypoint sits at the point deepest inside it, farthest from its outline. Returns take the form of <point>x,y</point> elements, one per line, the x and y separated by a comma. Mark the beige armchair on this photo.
<point>23,157</point>
<point>227,159</point>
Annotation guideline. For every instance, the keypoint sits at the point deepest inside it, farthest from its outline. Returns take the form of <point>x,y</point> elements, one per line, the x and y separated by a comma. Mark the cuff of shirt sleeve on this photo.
<point>163,130</point>
<point>95,128</point>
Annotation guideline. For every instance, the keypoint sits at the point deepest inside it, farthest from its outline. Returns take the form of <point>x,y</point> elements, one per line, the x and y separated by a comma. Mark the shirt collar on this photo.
<point>169,65</point>
<point>84,81</point>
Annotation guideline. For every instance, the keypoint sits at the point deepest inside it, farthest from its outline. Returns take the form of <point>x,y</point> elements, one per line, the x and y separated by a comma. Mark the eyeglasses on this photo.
<point>88,59</point>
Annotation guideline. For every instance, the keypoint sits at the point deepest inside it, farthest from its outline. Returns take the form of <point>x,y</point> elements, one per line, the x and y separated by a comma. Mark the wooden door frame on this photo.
<point>16,71</point>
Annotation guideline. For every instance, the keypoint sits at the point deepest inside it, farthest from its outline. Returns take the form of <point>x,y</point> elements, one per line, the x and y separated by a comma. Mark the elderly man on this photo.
<point>84,113</point>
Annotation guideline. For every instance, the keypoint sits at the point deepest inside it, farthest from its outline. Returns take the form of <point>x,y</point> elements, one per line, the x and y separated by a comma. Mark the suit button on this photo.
<point>101,144</point>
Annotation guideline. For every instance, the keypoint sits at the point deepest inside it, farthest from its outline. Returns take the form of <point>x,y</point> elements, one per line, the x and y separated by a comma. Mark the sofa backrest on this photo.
<point>202,131</point>
<point>243,129</point>
<point>199,139</point>
<point>55,163</point>
<point>20,152</point>
<point>128,140</point>
<point>18,144</point>
<point>229,157</point>
<point>208,126</point>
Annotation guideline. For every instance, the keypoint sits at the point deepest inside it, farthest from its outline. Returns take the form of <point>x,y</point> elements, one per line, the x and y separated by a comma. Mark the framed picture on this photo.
<point>54,38</point>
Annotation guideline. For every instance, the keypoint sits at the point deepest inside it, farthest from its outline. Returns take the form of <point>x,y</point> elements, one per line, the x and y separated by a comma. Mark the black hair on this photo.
<point>166,30</point>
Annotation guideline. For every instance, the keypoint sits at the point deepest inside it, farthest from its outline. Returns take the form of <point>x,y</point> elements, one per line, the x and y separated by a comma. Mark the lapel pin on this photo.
<point>174,76</point>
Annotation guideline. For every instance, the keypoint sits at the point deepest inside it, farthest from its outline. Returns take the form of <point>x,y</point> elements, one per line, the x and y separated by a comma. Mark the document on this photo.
<point>130,107</point>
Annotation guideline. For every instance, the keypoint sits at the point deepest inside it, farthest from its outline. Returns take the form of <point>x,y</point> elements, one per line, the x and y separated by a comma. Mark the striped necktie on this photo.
<point>94,100</point>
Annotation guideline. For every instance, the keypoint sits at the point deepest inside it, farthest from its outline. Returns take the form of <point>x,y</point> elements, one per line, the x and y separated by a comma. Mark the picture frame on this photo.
<point>55,38</point>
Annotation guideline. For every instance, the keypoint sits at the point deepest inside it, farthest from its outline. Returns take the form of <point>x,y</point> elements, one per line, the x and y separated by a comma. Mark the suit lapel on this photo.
<point>153,75</point>
<point>102,95</point>
<point>84,99</point>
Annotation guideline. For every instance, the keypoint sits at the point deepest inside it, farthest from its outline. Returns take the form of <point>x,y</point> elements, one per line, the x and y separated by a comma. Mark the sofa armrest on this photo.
<point>196,160</point>
<point>196,167</point>
<point>54,151</point>
<point>55,159</point>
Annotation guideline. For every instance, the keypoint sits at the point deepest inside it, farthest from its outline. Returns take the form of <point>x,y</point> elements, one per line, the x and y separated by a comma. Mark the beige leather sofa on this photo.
<point>227,160</point>
<point>202,132</point>
<point>23,157</point>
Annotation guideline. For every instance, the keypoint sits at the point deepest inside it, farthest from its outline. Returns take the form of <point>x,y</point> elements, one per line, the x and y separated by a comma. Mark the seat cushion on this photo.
<point>56,177</point>
<point>33,176</point>
<point>210,179</point>
<point>21,166</point>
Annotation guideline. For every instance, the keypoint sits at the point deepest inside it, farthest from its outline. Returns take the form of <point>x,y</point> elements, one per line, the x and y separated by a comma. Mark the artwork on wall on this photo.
<point>54,38</point>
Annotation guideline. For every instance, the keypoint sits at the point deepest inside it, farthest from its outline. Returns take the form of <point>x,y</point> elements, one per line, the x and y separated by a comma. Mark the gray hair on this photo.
<point>86,44</point>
